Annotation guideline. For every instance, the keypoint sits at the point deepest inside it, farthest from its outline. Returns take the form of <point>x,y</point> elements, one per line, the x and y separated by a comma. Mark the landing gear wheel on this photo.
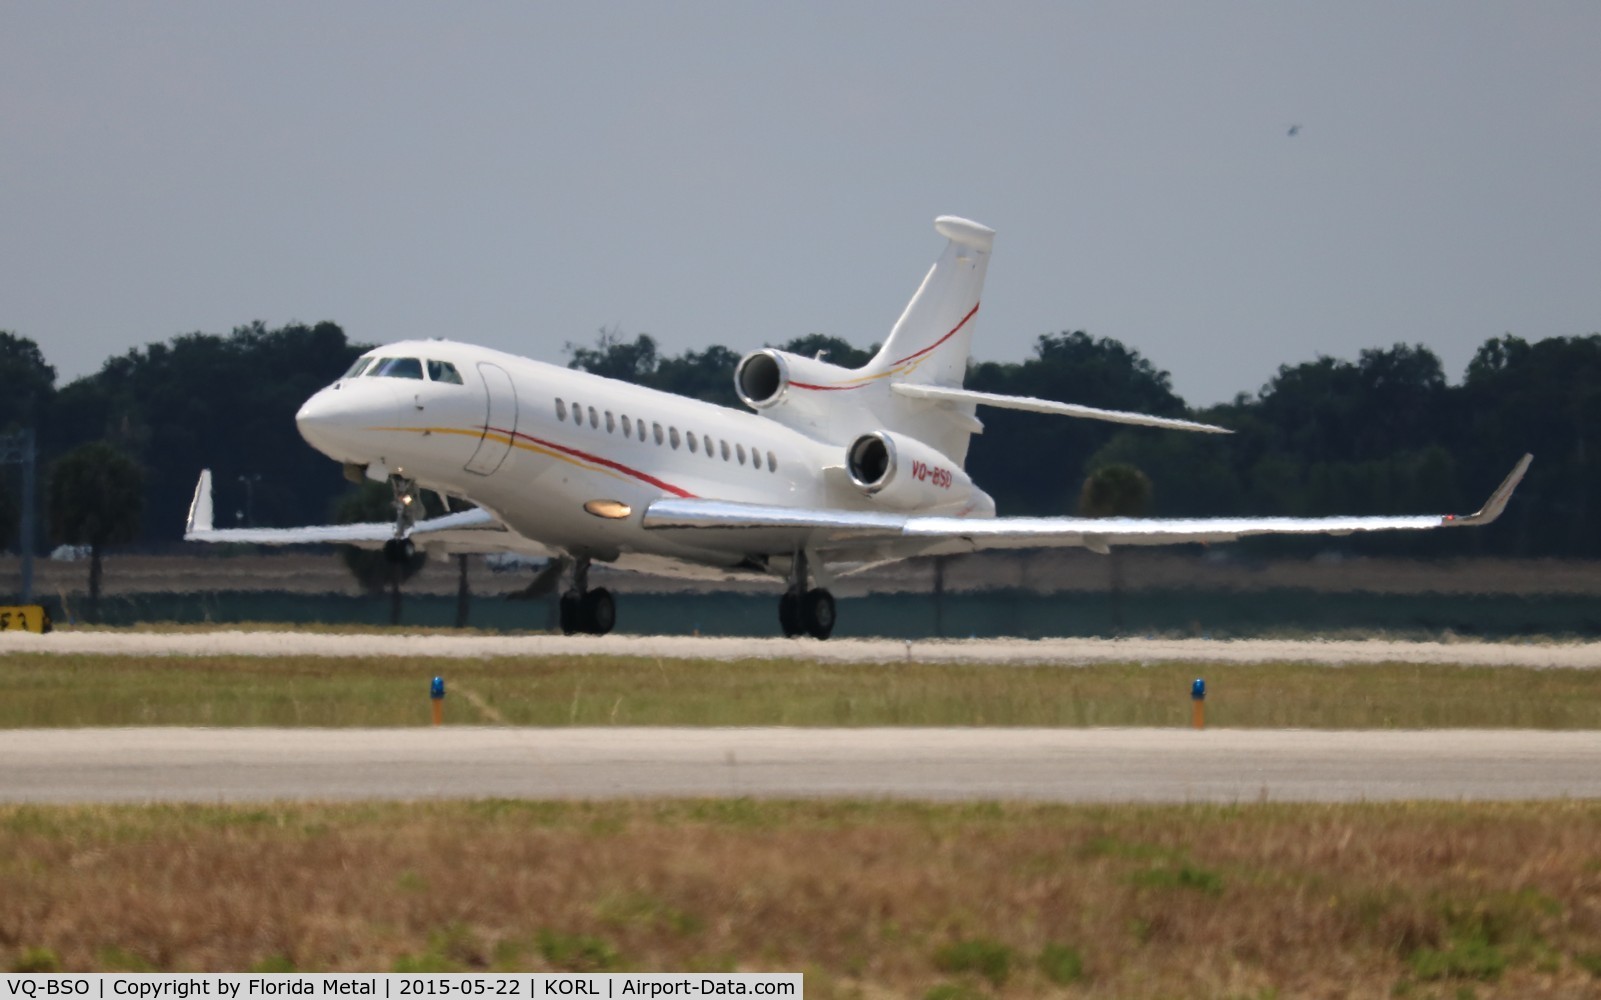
<point>597,611</point>
<point>789,614</point>
<point>817,613</point>
<point>399,550</point>
<point>592,612</point>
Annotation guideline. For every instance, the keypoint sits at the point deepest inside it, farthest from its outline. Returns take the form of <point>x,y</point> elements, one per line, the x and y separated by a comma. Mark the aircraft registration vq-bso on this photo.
<point>832,469</point>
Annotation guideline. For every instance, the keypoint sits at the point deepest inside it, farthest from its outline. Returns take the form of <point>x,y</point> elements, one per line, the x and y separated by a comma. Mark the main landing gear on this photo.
<point>803,611</point>
<point>590,612</point>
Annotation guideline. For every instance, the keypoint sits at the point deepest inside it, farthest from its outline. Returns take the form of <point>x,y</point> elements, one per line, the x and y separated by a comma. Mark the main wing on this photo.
<point>467,531</point>
<point>869,534</point>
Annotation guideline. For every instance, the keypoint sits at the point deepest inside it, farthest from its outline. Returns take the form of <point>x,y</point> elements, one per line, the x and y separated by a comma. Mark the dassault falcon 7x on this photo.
<point>833,469</point>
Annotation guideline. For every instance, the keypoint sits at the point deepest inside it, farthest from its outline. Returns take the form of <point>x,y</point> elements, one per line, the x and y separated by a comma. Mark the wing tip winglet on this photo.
<point>200,511</point>
<point>1498,500</point>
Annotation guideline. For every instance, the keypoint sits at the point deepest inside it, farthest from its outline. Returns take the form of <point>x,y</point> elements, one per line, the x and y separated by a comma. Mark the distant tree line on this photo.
<point>197,401</point>
<point>1385,432</point>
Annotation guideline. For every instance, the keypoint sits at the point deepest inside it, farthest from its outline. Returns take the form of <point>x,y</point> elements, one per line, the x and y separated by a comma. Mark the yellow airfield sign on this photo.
<point>24,618</point>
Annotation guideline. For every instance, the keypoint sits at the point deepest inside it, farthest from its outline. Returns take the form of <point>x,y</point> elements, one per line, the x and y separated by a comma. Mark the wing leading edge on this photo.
<point>845,530</point>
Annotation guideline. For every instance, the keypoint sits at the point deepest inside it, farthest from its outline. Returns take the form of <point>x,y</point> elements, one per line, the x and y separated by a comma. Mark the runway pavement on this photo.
<point>1067,652</point>
<point>1065,765</point>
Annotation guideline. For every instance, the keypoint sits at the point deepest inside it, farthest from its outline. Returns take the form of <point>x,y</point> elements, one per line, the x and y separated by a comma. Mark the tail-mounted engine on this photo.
<point>906,474</point>
<point>796,390</point>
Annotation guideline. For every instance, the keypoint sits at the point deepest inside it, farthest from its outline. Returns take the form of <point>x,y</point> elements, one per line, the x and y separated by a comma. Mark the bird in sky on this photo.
<point>1294,131</point>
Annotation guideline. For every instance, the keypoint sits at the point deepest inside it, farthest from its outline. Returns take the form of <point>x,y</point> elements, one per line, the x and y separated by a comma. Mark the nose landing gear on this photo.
<point>585,611</point>
<point>805,611</point>
<point>400,549</point>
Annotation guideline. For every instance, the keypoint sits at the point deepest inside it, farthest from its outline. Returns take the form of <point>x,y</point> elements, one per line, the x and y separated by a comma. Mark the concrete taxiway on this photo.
<point>1082,765</point>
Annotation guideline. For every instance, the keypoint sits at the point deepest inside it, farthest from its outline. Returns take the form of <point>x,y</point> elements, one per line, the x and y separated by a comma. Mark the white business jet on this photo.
<point>833,470</point>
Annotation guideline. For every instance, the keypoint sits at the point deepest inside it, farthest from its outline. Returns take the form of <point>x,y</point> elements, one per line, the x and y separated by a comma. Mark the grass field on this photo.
<point>64,690</point>
<point>868,899</point>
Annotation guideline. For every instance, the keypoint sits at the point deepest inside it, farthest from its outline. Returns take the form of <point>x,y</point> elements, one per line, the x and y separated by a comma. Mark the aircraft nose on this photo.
<point>314,413</point>
<point>321,420</point>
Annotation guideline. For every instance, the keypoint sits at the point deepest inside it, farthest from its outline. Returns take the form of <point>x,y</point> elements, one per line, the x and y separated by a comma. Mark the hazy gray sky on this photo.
<point>521,174</point>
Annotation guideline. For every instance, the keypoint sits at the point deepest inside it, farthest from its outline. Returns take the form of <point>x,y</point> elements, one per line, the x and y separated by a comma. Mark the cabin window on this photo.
<point>739,449</point>
<point>561,411</point>
<point>578,414</point>
<point>641,425</point>
<point>709,451</point>
<point>755,458</point>
<point>772,462</point>
<point>725,448</point>
<point>594,418</point>
<point>443,371</point>
<point>689,439</point>
<point>611,424</point>
<point>357,368</point>
<point>656,429</point>
<point>672,437</point>
<point>628,427</point>
<point>399,368</point>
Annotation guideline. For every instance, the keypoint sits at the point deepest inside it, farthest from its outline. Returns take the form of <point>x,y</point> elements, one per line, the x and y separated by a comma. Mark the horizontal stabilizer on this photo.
<point>941,393</point>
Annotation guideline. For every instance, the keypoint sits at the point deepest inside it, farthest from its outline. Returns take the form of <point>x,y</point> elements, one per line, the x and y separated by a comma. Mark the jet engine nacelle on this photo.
<point>906,474</point>
<point>792,389</point>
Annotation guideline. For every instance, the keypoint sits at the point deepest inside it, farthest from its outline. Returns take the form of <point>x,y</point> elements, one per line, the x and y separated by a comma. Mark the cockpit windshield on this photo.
<point>443,371</point>
<point>438,371</point>
<point>397,368</point>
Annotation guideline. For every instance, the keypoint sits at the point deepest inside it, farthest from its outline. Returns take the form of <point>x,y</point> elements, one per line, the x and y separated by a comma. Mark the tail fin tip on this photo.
<point>966,232</point>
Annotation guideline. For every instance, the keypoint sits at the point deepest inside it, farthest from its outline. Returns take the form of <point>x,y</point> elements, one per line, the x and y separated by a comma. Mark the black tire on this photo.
<point>570,622</point>
<point>598,611</point>
<point>399,550</point>
<point>817,613</point>
<point>789,614</point>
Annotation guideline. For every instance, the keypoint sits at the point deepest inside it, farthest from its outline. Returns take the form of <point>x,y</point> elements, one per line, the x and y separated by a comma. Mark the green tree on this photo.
<point>221,402</point>
<point>96,498</point>
<point>613,356</point>
<point>707,375</point>
<point>1115,491</point>
<point>29,382</point>
<point>1029,461</point>
<point>1543,397</point>
<point>27,388</point>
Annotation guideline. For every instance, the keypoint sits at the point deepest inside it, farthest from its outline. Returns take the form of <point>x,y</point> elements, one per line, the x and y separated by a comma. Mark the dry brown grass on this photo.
<point>873,899</point>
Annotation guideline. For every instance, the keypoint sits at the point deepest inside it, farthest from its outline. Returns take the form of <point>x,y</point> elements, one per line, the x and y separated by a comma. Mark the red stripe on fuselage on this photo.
<point>598,460</point>
<point>827,388</point>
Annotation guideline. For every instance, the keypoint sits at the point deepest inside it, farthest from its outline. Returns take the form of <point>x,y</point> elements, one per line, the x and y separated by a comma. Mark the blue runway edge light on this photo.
<point>436,690</point>
<point>1198,689</point>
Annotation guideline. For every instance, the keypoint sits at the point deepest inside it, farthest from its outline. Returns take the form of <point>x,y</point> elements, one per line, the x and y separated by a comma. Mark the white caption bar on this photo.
<point>396,986</point>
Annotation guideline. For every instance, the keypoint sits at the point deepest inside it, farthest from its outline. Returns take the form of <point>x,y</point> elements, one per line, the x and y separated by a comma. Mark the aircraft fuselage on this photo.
<point>567,458</point>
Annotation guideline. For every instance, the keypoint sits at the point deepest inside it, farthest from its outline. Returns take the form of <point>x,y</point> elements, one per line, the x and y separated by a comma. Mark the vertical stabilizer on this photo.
<point>929,343</point>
